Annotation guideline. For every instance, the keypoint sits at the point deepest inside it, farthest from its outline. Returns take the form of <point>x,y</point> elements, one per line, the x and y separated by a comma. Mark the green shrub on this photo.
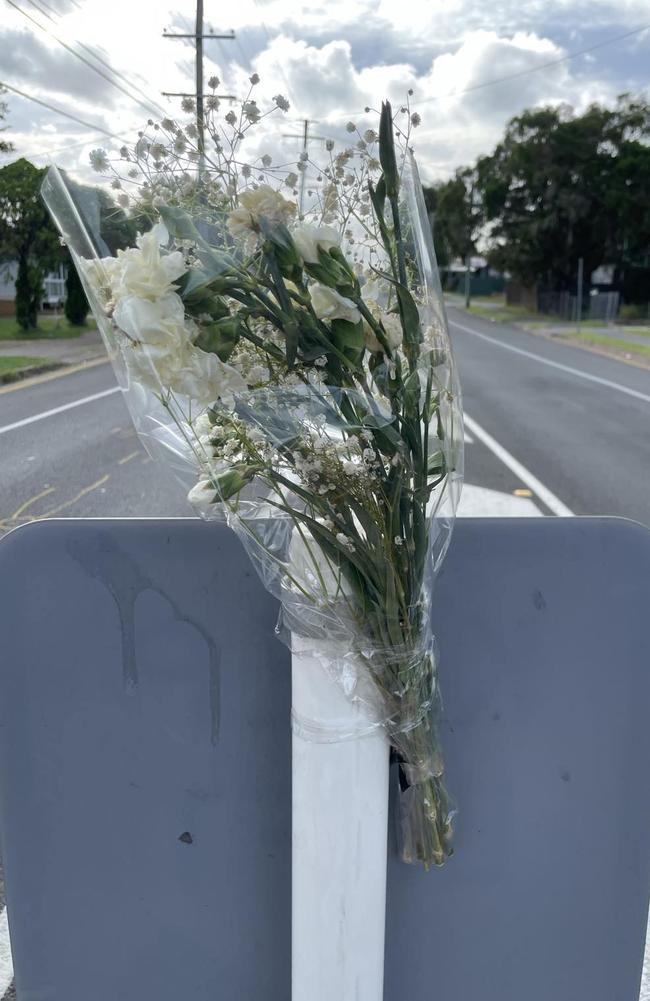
<point>76,304</point>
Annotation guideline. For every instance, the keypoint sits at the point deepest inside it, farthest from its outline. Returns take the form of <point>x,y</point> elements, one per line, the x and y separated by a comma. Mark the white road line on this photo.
<point>6,964</point>
<point>547,497</point>
<point>58,410</point>
<point>555,364</point>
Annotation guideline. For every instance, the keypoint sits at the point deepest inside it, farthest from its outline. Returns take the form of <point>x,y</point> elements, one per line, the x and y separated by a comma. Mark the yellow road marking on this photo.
<point>127,458</point>
<point>37,379</point>
<point>28,503</point>
<point>82,493</point>
<point>521,492</point>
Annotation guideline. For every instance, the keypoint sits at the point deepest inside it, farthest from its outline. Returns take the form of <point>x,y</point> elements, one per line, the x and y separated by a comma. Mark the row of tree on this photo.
<point>29,240</point>
<point>557,188</point>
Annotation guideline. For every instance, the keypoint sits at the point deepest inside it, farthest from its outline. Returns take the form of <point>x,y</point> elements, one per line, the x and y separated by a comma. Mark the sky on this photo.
<point>330,59</point>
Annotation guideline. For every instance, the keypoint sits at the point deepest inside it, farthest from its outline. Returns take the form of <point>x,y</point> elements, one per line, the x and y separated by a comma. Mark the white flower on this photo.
<point>329,145</point>
<point>98,160</point>
<point>393,328</point>
<point>231,118</point>
<point>187,104</point>
<point>203,496</point>
<point>251,111</point>
<point>260,203</point>
<point>160,352</point>
<point>213,82</point>
<point>350,127</point>
<point>308,240</point>
<point>291,180</point>
<point>103,275</point>
<point>158,323</point>
<point>145,271</point>
<point>281,102</point>
<point>415,119</point>
<point>369,135</point>
<point>328,304</point>
<point>266,160</point>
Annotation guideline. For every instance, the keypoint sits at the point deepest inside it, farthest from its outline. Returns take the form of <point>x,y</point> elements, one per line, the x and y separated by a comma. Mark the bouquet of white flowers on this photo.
<point>283,342</point>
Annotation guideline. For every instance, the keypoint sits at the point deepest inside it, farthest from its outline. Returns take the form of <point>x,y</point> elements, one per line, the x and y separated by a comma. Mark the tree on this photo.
<point>5,147</point>
<point>559,187</point>
<point>457,218</point>
<point>76,304</point>
<point>27,236</point>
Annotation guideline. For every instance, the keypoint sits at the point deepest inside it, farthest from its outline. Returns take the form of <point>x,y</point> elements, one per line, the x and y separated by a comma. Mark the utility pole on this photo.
<point>200,120</point>
<point>306,139</point>
<point>468,280</point>
<point>199,37</point>
<point>581,266</point>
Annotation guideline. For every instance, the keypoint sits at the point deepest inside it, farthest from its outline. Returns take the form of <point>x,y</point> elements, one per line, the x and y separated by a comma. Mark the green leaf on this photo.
<point>410,316</point>
<point>179,224</point>
<point>387,150</point>
<point>348,338</point>
<point>221,337</point>
<point>378,199</point>
<point>230,482</point>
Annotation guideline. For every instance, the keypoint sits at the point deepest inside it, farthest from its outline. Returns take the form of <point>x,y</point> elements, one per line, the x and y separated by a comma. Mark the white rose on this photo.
<point>259,203</point>
<point>309,238</point>
<point>103,275</point>
<point>145,271</point>
<point>330,305</point>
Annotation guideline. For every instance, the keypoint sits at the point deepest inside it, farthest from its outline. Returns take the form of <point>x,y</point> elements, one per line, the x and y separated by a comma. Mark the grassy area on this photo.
<point>15,365</point>
<point>617,343</point>
<point>499,313</point>
<point>48,327</point>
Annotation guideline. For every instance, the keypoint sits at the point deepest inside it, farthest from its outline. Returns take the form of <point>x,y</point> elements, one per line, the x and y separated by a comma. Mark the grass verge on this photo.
<point>14,367</point>
<point>49,327</point>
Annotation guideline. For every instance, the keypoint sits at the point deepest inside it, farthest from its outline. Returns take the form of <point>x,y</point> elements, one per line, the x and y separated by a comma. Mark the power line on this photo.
<point>61,149</point>
<point>534,69</point>
<point>87,48</point>
<point>59,111</point>
<point>148,107</point>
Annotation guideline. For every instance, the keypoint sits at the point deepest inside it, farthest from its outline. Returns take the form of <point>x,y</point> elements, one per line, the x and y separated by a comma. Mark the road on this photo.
<point>552,429</point>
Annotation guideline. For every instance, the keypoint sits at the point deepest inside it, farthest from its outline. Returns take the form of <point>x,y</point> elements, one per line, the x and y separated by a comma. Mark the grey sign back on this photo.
<point>145,768</point>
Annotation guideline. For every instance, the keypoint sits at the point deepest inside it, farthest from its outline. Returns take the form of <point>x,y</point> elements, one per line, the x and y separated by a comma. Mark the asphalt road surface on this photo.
<point>552,429</point>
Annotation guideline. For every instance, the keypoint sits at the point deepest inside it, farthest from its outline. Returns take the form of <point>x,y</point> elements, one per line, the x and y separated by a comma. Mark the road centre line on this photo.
<point>547,497</point>
<point>59,410</point>
<point>555,364</point>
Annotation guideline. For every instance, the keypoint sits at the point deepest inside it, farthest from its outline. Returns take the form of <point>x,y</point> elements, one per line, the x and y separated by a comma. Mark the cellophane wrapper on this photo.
<point>295,372</point>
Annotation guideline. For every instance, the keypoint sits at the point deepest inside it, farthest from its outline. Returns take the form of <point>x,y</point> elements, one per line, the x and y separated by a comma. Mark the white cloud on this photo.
<point>331,61</point>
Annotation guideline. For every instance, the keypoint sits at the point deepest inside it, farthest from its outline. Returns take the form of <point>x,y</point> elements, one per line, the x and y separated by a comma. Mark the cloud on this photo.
<point>331,61</point>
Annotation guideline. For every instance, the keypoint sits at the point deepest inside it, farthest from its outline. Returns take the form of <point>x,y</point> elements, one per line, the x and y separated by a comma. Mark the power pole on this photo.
<point>199,36</point>
<point>306,139</point>
<point>200,120</point>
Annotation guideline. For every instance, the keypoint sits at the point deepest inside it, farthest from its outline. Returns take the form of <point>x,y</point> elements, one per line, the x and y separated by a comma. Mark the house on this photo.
<point>53,288</point>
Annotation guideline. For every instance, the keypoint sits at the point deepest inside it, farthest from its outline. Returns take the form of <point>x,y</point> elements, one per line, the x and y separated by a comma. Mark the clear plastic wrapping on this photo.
<point>294,369</point>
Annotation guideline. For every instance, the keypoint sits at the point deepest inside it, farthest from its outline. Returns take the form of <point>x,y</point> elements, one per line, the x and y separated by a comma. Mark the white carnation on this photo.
<point>146,272</point>
<point>308,239</point>
<point>260,203</point>
<point>331,305</point>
